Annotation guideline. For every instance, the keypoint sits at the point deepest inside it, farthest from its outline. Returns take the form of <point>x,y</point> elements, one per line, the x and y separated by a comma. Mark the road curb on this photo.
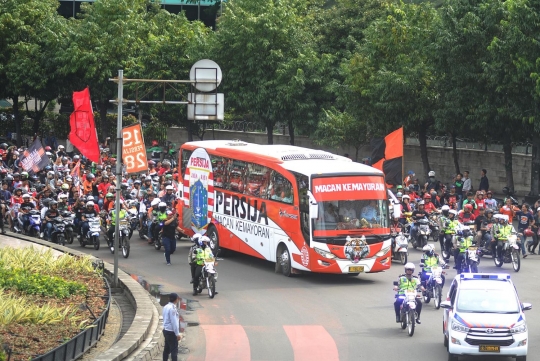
<point>147,321</point>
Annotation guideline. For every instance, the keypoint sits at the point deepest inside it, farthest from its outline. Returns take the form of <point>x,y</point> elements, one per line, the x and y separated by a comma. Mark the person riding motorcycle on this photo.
<point>159,214</point>
<point>26,206</point>
<point>428,204</point>
<point>430,259</point>
<point>461,245</point>
<point>89,212</point>
<point>192,255</point>
<point>51,213</point>
<point>449,225</point>
<point>169,196</point>
<point>418,214</point>
<point>406,282</point>
<point>466,214</point>
<point>503,230</point>
<point>112,224</point>
<point>203,253</point>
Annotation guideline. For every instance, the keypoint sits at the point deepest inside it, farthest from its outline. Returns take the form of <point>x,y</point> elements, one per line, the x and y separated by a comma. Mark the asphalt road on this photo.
<point>260,315</point>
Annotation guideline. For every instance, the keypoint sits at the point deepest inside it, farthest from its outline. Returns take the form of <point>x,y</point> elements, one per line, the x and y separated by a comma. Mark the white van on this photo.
<point>484,316</point>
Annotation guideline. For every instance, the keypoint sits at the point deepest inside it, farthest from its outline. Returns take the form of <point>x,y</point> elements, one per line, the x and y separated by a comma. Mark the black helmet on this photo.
<point>53,203</point>
<point>46,202</point>
<point>3,146</point>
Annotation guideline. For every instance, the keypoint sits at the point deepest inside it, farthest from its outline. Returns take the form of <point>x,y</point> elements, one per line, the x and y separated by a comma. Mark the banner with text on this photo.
<point>133,149</point>
<point>349,188</point>
<point>34,158</point>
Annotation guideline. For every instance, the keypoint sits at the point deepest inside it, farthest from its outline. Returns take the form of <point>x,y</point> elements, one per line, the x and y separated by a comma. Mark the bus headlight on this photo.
<point>382,252</point>
<point>324,253</point>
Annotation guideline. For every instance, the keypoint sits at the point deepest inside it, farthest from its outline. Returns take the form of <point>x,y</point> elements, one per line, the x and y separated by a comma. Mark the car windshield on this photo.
<point>352,214</point>
<point>488,301</point>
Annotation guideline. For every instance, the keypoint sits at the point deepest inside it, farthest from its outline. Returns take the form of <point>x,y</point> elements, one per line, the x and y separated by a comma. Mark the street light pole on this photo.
<point>118,173</point>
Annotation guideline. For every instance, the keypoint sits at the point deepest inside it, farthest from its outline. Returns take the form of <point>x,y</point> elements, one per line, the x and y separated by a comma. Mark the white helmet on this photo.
<point>155,202</point>
<point>26,195</point>
<point>406,197</point>
<point>428,247</point>
<point>445,208</point>
<point>169,188</point>
<point>88,204</point>
<point>409,265</point>
<point>203,239</point>
<point>162,204</point>
<point>60,147</point>
<point>453,211</point>
<point>62,196</point>
<point>90,198</point>
<point>431,174</point>
<point>421,203</point>
<point>196,237</point>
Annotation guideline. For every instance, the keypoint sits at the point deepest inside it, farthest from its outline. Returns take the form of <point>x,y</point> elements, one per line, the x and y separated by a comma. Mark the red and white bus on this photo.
<point>304,209</point>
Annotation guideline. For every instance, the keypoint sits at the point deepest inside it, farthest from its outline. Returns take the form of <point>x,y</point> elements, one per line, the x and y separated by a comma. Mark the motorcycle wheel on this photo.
<point>95,241</point>
<point>403,321</point>
<point>426,297</point>
<point>403,257</point>
<point>214,239</point>
<point>125,247</point>
<point>82,242</point>
<point>516,261</point>
<point>445,253</point>
<point>435,236</point>
<point>212,286</point>
<point>69,238</point>
<point>157,243</point>
<point>411,321</point>
<point>437,294</point>
<point>143,233</point>
<point>498,260</point>
<point>61,240</point>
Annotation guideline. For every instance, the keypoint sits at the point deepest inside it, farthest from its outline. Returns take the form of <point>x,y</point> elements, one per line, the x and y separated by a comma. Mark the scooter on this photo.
<point>422,234</point>
<point>34,228</point>
<point>58,235</point>
<point>400,246</point>
<point>92,236</point>
<point>68,218</point>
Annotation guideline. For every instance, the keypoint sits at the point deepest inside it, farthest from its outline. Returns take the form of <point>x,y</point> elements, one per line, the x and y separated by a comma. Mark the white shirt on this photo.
<point>170,318</point>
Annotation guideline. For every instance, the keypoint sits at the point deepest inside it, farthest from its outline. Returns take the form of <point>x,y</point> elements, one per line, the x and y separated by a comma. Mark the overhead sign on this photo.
<point>133,149</point>
<point>199,184</point>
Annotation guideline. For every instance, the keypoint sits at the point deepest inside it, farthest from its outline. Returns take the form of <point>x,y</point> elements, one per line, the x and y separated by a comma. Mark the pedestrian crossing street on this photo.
<point>231,342</point>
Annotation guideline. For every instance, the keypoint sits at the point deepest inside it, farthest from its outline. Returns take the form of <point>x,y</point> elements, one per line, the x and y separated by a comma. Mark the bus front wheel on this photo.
<point>284,260</point>
<point>214,239</point>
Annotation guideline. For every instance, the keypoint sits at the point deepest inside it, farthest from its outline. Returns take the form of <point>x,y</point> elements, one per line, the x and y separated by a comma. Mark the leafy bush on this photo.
<point>22,310</point>
<point>38,284</point>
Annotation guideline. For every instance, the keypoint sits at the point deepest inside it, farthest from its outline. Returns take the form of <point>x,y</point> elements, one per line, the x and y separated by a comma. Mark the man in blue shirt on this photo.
<point>171,328</point>
<point>369,212</point>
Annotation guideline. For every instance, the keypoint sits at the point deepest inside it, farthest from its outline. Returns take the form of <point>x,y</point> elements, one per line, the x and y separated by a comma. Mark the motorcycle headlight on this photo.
<point>383,251</point>
<point>324,253</point>
<point>456,326</point>
<point>519,328</point>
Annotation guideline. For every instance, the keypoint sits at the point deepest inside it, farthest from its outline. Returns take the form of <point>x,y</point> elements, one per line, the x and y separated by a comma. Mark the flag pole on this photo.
<point>403,158</point>
<point>118,173</point>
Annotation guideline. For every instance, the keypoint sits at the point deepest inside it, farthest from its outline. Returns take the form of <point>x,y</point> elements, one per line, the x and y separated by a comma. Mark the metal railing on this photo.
<point>465,143</point>
<point>78,345</point>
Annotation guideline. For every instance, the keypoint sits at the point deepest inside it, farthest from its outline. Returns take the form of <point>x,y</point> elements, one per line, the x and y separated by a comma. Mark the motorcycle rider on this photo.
<point>159,214</point>
<point>428,204</point>
<point>466,214</point>
<point>430,259</point>
<point>503,230</point>
<point>204,252</point>
<point>432,183</point>
<point>449,225</point>
<point>192,255</point>
<point>417,214</point>
<point>89,212</point>
<point>51,213</point>
<point>461,245</point>
<point>169,198</point>
<point>112,224</point>
<point>26,206</point>
<point>407,282</point>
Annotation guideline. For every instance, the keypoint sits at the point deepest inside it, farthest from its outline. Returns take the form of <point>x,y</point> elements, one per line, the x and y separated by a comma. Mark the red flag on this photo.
<point>83,129</point>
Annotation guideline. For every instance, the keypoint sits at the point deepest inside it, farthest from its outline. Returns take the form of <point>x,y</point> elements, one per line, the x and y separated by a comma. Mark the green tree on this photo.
<point>393,77</point>
<point>30,35</point>
<point>265,51</point>
<point>106,38</point>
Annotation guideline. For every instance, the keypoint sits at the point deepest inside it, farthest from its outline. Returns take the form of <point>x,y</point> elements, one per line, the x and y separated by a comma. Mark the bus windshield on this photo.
<point>364,214</point>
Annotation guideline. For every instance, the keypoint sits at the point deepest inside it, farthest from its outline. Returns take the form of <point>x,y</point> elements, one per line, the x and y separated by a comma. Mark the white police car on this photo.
<point>483,316</point>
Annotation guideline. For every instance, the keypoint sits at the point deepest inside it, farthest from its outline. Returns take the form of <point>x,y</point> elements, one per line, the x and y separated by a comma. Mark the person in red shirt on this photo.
<point>103,187</point>
<point>509,209</point>
<point>165,167</point>
<point>480,202</point>
<point>428,205</point>
<point>466,214</point>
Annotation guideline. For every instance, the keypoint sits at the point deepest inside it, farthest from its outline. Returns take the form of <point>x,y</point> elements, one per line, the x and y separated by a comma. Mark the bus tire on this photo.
<point>214,240</point>
<point>284,261</point>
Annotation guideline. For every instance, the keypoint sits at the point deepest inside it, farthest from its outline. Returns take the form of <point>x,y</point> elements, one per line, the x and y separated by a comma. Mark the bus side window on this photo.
<point>281,189</point>
<point>237,175</point>
<point>185,159</point>
<point>256,180</point>
<point>218,167</point>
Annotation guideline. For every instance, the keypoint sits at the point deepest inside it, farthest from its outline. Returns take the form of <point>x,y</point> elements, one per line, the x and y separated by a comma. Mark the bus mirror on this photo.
<point>313,206</point>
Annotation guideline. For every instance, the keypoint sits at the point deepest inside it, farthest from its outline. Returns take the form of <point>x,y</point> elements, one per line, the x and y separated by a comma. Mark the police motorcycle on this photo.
<point>471,256</point>
<point>400,245</point>
<point>510,250</point>
<point>422,235</point>
<point>123,239</point>
<point>434,286</point>
<point>92,236</point>
<point>58,234</point>
<point>407,310</point>
<point>208,277</point>
<point>133,212</point>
